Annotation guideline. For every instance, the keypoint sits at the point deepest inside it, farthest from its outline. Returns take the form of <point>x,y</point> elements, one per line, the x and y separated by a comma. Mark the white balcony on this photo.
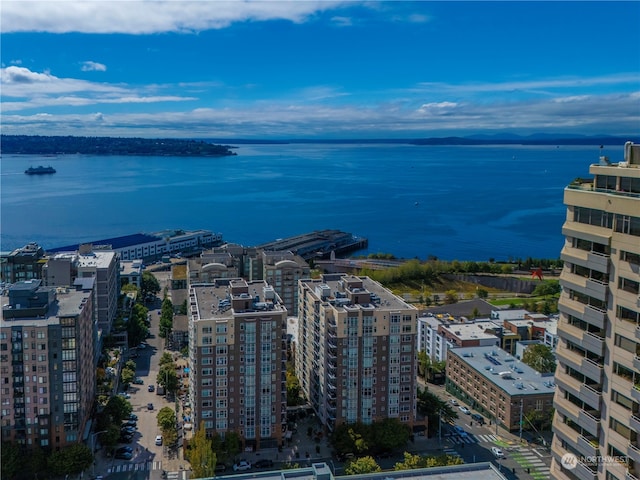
<point>633,452</point>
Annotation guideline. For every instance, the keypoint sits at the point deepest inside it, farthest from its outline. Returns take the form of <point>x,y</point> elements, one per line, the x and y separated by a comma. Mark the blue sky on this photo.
<point>319,69</point>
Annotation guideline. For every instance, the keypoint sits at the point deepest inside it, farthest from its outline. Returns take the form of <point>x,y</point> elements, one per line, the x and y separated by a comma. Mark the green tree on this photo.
<point>233,443</point>
<point>131,365</point>
<point>127,376</point>
<point>540,358</point>
<point>167,378</point>
<point>166,359</point>
<point>389,434</point>
<point>547,288</point>
<point>149,284</point>
<point>450,296</point>
<point>435,409</point>
<point>11,460</point>
<point>70,460</point>
<point>118,409</point>
<point>361,466</point>
<point>293,388</point>
<point>201,456</point>
<point>166,419</point>
<point>111,435</point>
<point>166,318</point>
<point>482,293</point>
<point>410,462</point>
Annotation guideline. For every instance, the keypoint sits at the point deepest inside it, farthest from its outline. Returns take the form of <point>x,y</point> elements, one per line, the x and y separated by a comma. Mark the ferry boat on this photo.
<point>40,170</point>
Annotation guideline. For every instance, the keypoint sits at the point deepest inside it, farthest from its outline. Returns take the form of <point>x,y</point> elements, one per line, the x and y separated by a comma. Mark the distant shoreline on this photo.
<point>46,145</point>
<point>216,147</point>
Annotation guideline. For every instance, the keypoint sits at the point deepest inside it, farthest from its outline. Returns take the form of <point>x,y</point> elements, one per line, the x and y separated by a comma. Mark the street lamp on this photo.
<point>440,426</point>
<point>93,448</point>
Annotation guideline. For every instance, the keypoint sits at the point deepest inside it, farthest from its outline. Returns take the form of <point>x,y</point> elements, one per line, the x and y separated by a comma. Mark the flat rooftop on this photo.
<point>505,371</point>
<point>470,471</point>
<point>384,299</point>
<point>69,304</point>
<point>212,298</point>
<point>471,331</point>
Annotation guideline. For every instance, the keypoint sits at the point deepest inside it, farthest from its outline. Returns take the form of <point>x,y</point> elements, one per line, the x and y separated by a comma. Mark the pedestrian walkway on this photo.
<point>133,467</point>
<point>528,459</point>
<point>471,438</point>
<point>451,452</point>
<point>182,475</point>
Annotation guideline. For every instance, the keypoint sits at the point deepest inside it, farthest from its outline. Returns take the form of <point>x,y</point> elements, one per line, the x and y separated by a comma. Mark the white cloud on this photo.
<point>90,66</point>
<point>149,16</point>
<point>40,90</point>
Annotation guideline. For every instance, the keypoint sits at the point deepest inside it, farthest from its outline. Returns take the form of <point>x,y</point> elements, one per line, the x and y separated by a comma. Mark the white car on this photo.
<point>453,401</point>
<point>464,409</point>
<point>159,440</point>
<point>497,452</point>
<point>241,466</point>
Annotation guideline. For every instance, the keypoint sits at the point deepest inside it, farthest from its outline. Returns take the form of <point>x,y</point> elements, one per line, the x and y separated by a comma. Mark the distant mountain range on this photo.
<point>481,139</point>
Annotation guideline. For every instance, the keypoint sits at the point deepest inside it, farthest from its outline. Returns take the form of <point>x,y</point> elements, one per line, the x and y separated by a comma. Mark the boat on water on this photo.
<point>40,170</point>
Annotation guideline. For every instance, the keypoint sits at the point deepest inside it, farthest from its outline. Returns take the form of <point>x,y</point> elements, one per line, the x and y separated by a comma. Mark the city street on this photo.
<point>527,461</point>
<point>149,460</point>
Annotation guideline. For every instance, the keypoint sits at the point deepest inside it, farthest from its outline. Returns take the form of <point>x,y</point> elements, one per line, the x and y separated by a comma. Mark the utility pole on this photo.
<point>521,406</point>
<point>440,426</point>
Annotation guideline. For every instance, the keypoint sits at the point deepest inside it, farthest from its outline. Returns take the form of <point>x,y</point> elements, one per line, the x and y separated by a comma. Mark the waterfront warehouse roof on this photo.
<point>115,242</point>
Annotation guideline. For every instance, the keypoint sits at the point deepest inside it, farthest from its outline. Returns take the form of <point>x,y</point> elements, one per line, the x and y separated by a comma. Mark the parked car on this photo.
<point>453,401</point>
<point>149,406</point>
<point>125,438</point>
<point>151,388</point>
<point>263,463</point>
<point>125,395</point>
<point>128,430</point>
<point>220,467</point>
<point>133,416</point>
<point>138,381</point>
<point>124,449</point>
<point>497,452</point>
<point>124,455</point>
<point>130,423</point>
<point>464,409</point>
<point>241,466</point>
<point>142,346</point>
<point>158,439</point>
<point>478,418</point>
<point>460,431</point>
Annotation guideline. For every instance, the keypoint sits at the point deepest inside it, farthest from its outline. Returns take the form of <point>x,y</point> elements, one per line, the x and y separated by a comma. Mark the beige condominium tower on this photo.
<point>597,400</point>
<point>237,350</point>
<point>356,351</point>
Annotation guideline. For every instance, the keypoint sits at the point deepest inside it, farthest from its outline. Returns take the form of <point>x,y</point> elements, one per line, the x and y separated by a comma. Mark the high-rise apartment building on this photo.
<point>283,270</point>
<point>47,367</point>
<point>237,350</point>
<point>597,400</point>
<point>356,351</point>
<point>63,268</point>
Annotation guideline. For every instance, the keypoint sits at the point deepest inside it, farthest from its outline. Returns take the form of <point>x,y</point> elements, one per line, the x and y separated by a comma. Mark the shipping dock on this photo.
<point>318,244</point>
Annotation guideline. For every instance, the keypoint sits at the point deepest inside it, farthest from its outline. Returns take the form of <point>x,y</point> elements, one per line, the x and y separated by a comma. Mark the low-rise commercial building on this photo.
<point>496,384</point>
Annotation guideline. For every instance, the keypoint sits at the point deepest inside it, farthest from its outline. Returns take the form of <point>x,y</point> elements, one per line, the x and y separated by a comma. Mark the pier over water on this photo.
<point>318,244</point>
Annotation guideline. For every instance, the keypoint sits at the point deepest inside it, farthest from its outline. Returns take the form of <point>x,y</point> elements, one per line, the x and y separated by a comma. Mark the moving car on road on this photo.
<point>460,431</point>
<point>124,455</point>
<point>159,440</point>
<point>497,452</point>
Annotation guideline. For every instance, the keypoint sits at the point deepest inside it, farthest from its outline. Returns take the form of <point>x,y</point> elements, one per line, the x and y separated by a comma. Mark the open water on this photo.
<point>452,202</point>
